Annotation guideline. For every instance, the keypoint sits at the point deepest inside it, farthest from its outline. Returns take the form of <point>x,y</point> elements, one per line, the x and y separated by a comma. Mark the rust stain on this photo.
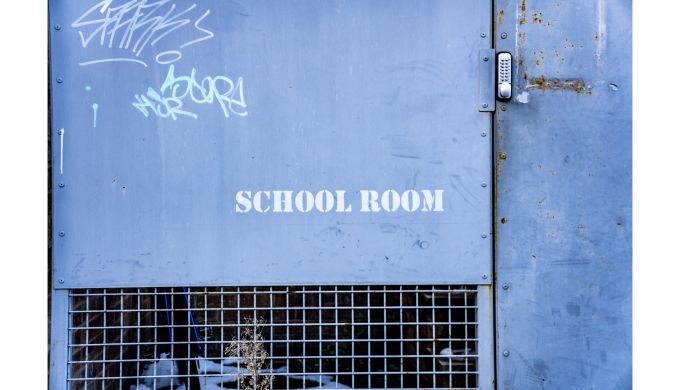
<point>540,57</point>
<point>537,17</point>
<point>501,16</point>
<point>523,14</point>
<point>498,140</point>
<point>556,84</point>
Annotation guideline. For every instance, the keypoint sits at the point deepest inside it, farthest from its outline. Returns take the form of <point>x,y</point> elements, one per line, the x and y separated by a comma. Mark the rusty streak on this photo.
<point>555,84</point>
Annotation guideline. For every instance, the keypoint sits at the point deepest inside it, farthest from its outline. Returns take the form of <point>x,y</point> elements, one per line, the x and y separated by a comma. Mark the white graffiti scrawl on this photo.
<point>134,25</point>
<point>169,100</point>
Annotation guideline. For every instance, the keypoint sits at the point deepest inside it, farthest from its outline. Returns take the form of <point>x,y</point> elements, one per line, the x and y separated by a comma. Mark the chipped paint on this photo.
<point>523,97</point>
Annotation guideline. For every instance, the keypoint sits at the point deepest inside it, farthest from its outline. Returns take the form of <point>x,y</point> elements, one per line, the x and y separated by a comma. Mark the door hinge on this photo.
<point>486,97</point>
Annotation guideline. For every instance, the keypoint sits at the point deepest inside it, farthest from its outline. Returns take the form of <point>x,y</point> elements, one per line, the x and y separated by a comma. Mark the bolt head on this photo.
<point>485,105</point>
<point>485,59</point>
<point>503,108</point>
<point>483,133</point>
<point>57,27</point>
<point>483,235</point>
<point>60,80</point>
<point>506,353</point>
<point>61,280</point>
<point>503,156</point>
<point>62,185</point>
<point>504,35</point>
<point>505,286</point>
<point>483,185</point>
<point>484,276</point>
<point>483,35</point>
<point>62,234</point>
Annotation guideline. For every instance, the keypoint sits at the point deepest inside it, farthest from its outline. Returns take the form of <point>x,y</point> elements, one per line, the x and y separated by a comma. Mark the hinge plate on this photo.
<point>486,96</point>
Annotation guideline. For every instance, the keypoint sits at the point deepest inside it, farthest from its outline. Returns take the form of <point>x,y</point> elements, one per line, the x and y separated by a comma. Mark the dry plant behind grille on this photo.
<point>313,336</point>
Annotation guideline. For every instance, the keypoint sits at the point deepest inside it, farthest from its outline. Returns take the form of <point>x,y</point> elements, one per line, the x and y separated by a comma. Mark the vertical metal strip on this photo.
<point>485,338</point>
<point>58,373</point>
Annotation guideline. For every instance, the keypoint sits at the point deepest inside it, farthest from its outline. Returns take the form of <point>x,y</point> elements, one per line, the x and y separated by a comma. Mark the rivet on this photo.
<point>483,235</point>
<point>485,59</point>
<point>485,105</point>
<point>503,156</point>
<point>483,185</point>
<point>484,276</point>
<point>504,35</point>
<point>483,35</point>
<point>505,286</point>
<point>62,185</point>
<point>506,353</point>
<point>61,280</point>
<point>483,133</point>
<point>60,80</point>
<point>62,234</point>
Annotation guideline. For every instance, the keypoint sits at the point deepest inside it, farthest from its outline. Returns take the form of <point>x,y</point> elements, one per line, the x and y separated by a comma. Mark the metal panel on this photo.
<point>563,194</point>
<point>285,95</point>
<point>311,337</point>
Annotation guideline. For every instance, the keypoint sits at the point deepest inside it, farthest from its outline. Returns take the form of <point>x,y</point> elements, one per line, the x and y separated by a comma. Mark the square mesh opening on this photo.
<point>302,337</point>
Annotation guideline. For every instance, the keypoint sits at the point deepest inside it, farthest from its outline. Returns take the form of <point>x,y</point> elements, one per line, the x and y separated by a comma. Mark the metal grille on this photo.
<point>313,336</point>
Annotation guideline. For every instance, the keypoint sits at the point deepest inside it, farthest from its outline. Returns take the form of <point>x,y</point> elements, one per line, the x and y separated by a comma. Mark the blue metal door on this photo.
<point>320,158</point>
<point>270,142</point>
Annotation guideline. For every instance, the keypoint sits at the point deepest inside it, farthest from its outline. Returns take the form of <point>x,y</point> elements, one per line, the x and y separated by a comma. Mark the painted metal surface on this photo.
<point>164,113</point>
<point>563,196</point>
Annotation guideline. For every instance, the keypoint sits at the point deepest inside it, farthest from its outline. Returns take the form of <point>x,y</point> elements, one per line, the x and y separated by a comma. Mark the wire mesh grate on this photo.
<point>306,337</point>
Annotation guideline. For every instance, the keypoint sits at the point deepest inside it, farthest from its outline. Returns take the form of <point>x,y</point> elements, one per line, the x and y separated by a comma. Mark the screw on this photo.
<point>61,280</point>
<point>485,59</point>
<point>485,105</point>
<point>62,234</point>
<point>62,185</point>
<point>504,35</point>
<point>503,108</point>
<point>484,276</point>
<point>483,35</point>
<point>483,133</point>
<point>483,185</point>
<point>506,353</point>
<point>60,80</point>
<point>57,27</point>
<point>503,156</point>
<point>505,286</point>
<point>483,235</point>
